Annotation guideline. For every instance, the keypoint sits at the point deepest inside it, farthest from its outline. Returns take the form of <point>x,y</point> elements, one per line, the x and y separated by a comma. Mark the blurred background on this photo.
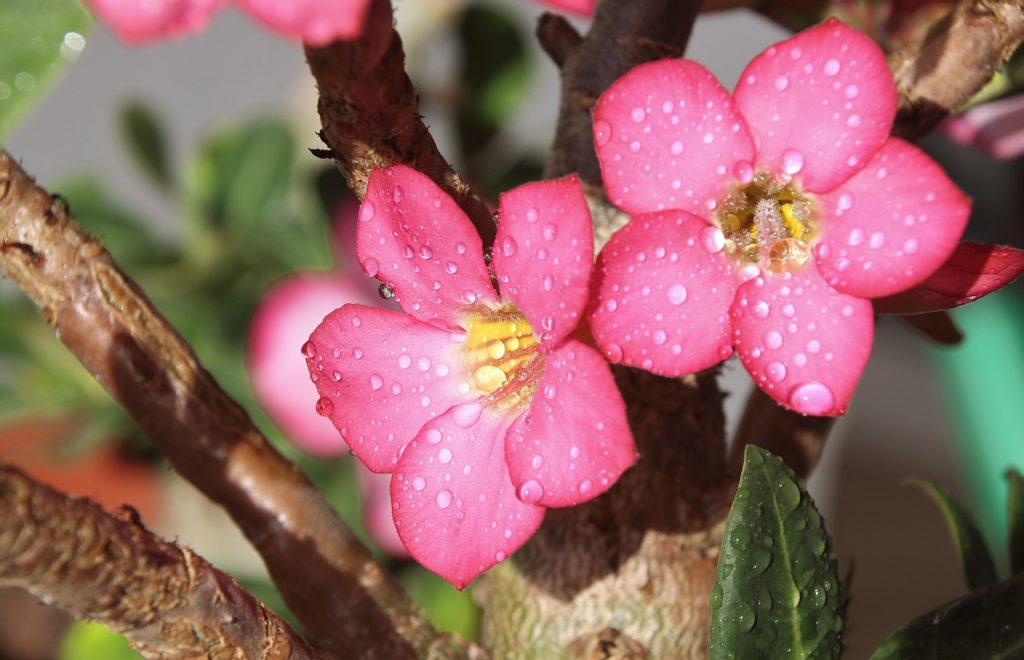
<point>190,160</point>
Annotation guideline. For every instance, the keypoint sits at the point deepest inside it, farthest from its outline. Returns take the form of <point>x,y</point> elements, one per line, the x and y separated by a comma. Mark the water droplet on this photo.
<point>466,414</point>
<point>852,91</point>
<point>847,311</point>
<point>813,346</point>
<point>433,436</point>
<point>676,294</point>
<point>404,360</point>
<point>676,148</point>
<point>634,146</point>
<point>585,486</point>
<point>910,247</point>
<point>781,83</point>
<point>877,240</point>
<point>613,352</point>
<point>531,492</point>
<point>776,371</point>
<point>508,246</point>
<point>324,407</point>
<point>845,201</point>
<point>708,138</point>
<point>336,376</point>
<point>761,309</point>
<point>532,215</point>
<point>419,483</point>
<point>792,161</point>
<point>376,382</point>
<point>548,283</point>
<point>460,247</point>
<point>398,194</point>
<point>444,498</point>
<point>760,559</point>
<point>713,239</point>
<point>444,456</point>
<point>832,67</point>
<point>856,237</point>
<point>536,461</point>
<point>716,597</point>
<point>853,121</point>
<point>602,132</point>
<point>659,337</point>
<point>309,349</point>
<point>370,266</point>
<point>745,616</point>
<point>638,115</point>
<point>550,231</point>
<point>812,399</point>
<point>773,340</point>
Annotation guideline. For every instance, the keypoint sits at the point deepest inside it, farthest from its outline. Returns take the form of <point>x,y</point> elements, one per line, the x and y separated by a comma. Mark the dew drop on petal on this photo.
<point>676,148</point>
<point>776,371</point>
<point>309,350</point>
<point>531,492</point>
<point>856,237</point>
<point>466,414</point>
<point>433,436</point>
<point>761,309</point>
<point>832,67</point>
<point>444,456</point>
<point>743,171</point>
<point>444,498</point>
<point>324,407</point>
<point>509,246</point>
<point>419,483</point>
<point>371,266</point>
<point>602,133</point>
<point>585,486</point>
<point>792,161</point>
<point>367,211</point>
<point>812,398</point>
<point>659,337</point>
<point>713,239</point>
<point>376,382</point>
<point>781,83</point>
<point>773,340</point>
<point>398,194</point>
<point>676,294</point>
<point>910,247</point>
<point>404,360</point>
<point>638,115</point>
<point>613,352</point>
<point>877,240</point>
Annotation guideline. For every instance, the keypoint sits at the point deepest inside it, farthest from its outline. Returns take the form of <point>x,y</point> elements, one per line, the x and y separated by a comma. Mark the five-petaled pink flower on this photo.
<point>765,220</point>
<point>479,403</point>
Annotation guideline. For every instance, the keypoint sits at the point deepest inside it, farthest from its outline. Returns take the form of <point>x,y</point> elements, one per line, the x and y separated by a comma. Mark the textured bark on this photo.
<point>370,115</point>
<point>342,597</point>
<point>953,61</point>
<point>167,601</point>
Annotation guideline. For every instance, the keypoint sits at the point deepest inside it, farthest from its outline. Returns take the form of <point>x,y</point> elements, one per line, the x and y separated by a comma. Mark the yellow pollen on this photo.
<point>500,353</point>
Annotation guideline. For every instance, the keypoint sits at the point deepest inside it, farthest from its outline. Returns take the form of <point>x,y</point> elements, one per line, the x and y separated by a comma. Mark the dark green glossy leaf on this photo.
<point>144,136</point>
<point>495,72</point>
<point>37,38</point>
<point>777,593</point>
<point>978,565</point>
<point>987,623</point>
<point>1016,513</point>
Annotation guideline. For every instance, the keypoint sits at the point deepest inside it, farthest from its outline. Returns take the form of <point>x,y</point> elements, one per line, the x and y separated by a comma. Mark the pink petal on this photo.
<point>662,291</point>
<point>668,135</point>
<point>891,225</point>
<point>802,342</point>
<point>581,7</point>
<point>820,104</point>
<point>376,492</point>
<point>137,21</point>
<point>573,442</point>
<point>281,324</point>
<point>413,237</point>
<point>974,271</point>
<point>317,22</point>
<point>455,507</point>
<point>543,254</point>
<point>996,127</point>
<point>381,375</point>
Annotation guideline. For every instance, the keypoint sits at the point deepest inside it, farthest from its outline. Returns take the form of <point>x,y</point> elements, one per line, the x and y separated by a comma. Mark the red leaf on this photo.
<point>974,270</point>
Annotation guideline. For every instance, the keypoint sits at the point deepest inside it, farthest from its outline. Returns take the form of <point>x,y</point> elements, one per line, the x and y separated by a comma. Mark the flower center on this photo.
<point>500,353</point>
<point>769,223</point>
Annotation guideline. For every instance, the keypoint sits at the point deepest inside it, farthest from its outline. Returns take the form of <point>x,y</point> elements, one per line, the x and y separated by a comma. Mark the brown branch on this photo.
<point>168,602</point>
<point>953,61</point>
<point>557,37</point>
<point>797,439</point>
<point>370,114</point>
<point>342,597</point>
<point>623,34</point>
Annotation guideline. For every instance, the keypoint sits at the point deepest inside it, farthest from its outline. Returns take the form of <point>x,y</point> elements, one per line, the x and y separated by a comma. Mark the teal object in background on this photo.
<point>983,381</point>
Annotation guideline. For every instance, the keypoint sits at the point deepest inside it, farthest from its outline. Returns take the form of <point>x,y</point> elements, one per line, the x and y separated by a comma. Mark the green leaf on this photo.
<point>447,608</point>
<point>87,641</point>
<point>777,593</point>
<point>495,72</point>
<point>38,38</point>
<point>987,623</point>
<point>144,136</point>
<point>242,176</point>
<point>1016,512</point>
<point>979,567</point>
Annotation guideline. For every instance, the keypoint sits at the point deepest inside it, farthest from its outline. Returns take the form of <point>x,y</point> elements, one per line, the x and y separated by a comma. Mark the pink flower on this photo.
<point>317,22</point>
<point>581,7</point>
<point>766,220</point>
<point>280,379</point>
<point>996,127</point>
<point>479,403</point>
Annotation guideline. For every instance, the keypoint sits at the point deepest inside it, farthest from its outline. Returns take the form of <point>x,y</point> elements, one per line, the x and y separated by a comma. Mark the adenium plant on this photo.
<point>478,400</point>
<point>765,221</point>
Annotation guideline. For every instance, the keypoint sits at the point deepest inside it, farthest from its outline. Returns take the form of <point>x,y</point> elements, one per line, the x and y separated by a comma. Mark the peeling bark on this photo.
<point>167,601</point>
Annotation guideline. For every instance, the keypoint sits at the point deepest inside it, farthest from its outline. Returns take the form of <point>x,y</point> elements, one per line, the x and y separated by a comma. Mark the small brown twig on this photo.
<point>953,61</point>
<point>343,598</point>
<point>168,601</point>
<point>370,114</point>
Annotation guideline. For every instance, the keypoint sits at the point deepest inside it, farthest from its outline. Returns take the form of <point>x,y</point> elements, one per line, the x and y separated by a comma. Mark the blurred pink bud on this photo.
<point>996,127</point>
<point>377,519</point>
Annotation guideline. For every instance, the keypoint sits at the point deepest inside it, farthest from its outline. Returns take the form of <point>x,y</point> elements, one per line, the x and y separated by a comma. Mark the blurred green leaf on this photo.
<point>1016,513</point>
<point>978,565</point>
<point>143,135</point>
<point>89,641</point>
<point>987,623</point>
<point>445,606</point>
<point>126,236</point>
<point>37,38</point>
<point>776,593</point>
<point>495,72</point>
<point>242,176</point>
